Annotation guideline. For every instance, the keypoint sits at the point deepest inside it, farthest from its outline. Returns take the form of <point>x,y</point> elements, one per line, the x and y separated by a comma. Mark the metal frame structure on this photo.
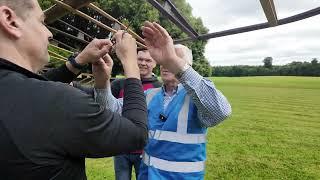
<point>168,10</point>
<point>268,8</point>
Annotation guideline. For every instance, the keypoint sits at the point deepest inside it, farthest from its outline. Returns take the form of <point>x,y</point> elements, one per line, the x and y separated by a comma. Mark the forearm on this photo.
<point>72,69</point>
<point>65,73</point>
<point>132,134</point>
<point>131,69</point>
<point>212,105</point>
<point>96,132</point>
<point>61,74</point>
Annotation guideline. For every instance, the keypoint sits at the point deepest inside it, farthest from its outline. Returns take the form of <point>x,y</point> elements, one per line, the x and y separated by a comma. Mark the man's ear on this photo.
<point>9,22</point>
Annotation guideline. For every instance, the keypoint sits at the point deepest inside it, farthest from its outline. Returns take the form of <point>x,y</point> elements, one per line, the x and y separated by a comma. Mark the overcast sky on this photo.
<point>296,41</point>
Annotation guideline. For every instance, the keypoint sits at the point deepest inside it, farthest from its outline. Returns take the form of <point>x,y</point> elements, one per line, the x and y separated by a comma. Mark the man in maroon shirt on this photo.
<point>123,163</point>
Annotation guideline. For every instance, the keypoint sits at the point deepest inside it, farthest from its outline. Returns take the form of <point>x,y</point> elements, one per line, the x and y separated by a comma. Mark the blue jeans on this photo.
<point>123,165</point>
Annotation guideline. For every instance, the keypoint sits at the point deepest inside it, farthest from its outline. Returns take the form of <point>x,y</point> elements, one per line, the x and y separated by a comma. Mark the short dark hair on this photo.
<point>20,7</point>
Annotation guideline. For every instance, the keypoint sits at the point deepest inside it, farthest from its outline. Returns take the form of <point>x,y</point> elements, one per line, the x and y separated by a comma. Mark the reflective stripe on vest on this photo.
<point>173,166</point>
<point>177,137</point>
<point>182,124</point>
<point>152,93</point>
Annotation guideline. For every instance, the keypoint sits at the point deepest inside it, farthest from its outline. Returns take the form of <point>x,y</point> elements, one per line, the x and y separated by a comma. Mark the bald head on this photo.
<point>20,7</point>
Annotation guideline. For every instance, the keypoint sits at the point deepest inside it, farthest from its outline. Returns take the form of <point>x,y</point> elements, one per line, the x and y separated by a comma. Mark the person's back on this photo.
<point>29,126</point>
<point>47,129</point>
<point>40,138</point>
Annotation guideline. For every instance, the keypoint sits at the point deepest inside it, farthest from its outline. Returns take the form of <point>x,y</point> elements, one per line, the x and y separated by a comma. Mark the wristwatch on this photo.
<point>74,63</point>
<point>183,70</point>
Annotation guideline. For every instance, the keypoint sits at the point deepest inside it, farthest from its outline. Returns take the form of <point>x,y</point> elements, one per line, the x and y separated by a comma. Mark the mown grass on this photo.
<point>274,131</point>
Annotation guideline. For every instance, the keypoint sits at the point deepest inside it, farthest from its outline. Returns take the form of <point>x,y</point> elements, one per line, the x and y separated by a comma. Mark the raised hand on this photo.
<point>160,46</point>
<point>126,49</point>
<point>95,50</point>
<point>102,70</point>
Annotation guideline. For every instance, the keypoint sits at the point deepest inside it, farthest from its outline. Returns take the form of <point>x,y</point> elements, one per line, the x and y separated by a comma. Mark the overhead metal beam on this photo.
<point>175,11</point>
<point>301,16</point>
<point>270,11</point>
<point>244,29</point>
<point>55,12</point>
<point>172,18</point>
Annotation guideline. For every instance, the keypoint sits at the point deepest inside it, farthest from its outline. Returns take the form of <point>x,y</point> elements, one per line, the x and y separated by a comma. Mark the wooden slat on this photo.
<point>57,55</point>
<point>61,49</point>
<point>66,45</point>
<point>108,16</point>
<point>55,12</point>
<point>81,14</point>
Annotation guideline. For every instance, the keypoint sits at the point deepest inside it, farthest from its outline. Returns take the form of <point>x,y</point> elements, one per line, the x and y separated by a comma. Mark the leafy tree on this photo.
<point>292,69</point>
<point>45,4</point>
<point>314,61</point>
<point>268,62</point>
<point>134,13</point>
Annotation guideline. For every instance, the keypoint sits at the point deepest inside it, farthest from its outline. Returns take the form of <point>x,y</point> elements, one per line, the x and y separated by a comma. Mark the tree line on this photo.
<point>267,69</point>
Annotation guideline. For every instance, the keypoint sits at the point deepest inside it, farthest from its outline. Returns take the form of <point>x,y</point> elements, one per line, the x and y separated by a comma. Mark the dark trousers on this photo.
<point>123,166</point>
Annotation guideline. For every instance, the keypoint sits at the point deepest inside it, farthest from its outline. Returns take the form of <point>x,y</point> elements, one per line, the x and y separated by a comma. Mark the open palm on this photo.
<point>159,43</point>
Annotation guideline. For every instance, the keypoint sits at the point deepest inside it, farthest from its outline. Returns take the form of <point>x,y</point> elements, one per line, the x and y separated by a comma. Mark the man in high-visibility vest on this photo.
<point>179,112</point>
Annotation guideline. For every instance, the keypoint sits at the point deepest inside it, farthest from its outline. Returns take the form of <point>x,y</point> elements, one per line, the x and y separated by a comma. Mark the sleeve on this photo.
<point>90,130</point>
<point>112,103</point>
<point>103,97</point>
<point>213,107</point>
<point>87,89</point>
<point>60,74</point>
<point>116,87</point>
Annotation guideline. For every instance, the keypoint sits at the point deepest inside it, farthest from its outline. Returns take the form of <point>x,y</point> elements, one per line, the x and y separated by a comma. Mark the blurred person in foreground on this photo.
<point>47,129</point>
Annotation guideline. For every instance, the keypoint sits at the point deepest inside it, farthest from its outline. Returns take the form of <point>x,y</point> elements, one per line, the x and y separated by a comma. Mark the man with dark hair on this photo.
<point>47,129</point>
<point>123,163</point>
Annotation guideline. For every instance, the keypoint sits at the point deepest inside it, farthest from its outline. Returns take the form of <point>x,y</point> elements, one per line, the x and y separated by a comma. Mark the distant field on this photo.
<point>274,131</point>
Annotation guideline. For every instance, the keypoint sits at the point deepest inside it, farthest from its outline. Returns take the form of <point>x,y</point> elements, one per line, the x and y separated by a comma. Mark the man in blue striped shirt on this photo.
<point>179,112</point>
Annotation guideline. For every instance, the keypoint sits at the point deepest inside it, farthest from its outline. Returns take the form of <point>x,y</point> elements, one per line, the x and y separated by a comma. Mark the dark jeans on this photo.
<point>123,165</point>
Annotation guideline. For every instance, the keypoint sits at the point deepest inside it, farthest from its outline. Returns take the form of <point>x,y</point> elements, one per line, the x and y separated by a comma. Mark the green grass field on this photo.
<point>274,132</point>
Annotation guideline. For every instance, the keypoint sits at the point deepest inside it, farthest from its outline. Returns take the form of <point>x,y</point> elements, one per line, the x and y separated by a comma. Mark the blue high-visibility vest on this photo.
<point>177,143</point>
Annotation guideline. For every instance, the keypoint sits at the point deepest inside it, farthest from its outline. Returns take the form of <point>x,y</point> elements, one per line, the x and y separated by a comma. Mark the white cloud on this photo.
<point>292,42</point>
